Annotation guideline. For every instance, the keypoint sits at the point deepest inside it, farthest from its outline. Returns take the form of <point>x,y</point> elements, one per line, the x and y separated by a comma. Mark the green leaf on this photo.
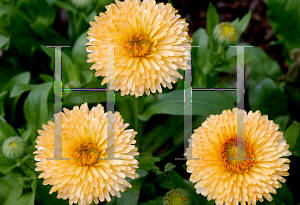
<point>282,121</point>
<point>5,163</point>
<point>200,38</point>
<point>147,163</point>
<point>19,89</point>
<point>7,184</point>
<point>291,134</point>
<point>6,130</point>
<point>284,195</point>
<point>80,97</point>
<point>284,15</point>
<point>46,198</point>
<point>212,19</point>
<point>65,6</point>
<point>266,202</point>
<point>243,23</point>
<point>2,98</point>
<point>36,107</point>
<point>47,78</point>
<point>79,54</point>
<point>26,199</point>
<point>178,182</point>
<point>3,41</point>
<point>156,201</point>
<point>169,166</point>
<point>268,98</point>
<point>14,194</point>
<point>263,65</point>
<point>131,196</point>
<point>203,103</point>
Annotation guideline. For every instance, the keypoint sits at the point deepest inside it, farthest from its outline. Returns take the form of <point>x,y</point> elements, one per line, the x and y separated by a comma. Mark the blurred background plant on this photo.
<point>27,99</point>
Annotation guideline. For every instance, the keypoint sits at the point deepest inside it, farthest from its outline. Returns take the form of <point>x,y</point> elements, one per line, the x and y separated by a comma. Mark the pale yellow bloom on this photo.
<point>148,40</point>
<point>84,178</point>
<point>233,181</point>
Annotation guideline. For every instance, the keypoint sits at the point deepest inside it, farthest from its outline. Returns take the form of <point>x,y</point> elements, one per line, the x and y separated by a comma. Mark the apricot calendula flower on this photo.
<point>233,181</point>
<point>85,177</point>
<point>148,40</point>
<point>226,34</point>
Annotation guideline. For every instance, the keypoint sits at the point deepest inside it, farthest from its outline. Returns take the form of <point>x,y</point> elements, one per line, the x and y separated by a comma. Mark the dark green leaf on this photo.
<point>268,98</point>
<point>5,163</point>
<point>284,15</point>
<point>178,182</point>
<point>262,65</point>
<point>46,198</point>
<point>65,6</point>
<point>243,23</point>
<point>282,121</point>
<point>36,107</point>
<point>291,134</point>
<point>156,201</point>
<point>203,102</point>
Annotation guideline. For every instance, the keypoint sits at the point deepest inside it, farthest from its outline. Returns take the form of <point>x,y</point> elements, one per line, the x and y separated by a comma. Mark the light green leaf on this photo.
<point>7,184</point>
<point>2,98</point>
<point>79,54</point>
<point>147,163</point>
<point>3,40</point>
<point>14,194</point>
<point>203,103</point>
<point>36,107</point>
<point>243,23</point>
<point>291,134</point>
<point>26,199</point>
<point>5,163</point>
<point>169,166</point>
<point>47,78</point>
<point>19,89</point>
<point>6,130</point>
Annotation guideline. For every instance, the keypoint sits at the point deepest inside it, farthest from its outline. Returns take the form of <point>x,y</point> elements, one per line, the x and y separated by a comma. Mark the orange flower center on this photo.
<point>87,154</point>
<point>138,45</point>
<point>229,151</point>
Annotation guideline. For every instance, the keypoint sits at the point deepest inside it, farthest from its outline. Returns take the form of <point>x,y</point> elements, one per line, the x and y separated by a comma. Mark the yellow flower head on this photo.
<point>148,40</point>
<point>84,177</point>
<point>233,181</point>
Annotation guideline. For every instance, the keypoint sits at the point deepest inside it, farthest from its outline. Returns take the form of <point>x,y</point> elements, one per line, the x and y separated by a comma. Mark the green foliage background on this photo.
<point>27,99</point>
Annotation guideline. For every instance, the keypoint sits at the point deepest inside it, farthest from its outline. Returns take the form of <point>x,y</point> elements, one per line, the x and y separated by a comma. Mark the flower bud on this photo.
<point>177,197</point>
<point>13,147</point>
<point>226,34</point>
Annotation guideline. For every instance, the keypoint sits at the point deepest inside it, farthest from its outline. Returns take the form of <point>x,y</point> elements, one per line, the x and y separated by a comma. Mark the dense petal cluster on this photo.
<point>91,173</point>
<point>233,181</point>
<point>148,40</point>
